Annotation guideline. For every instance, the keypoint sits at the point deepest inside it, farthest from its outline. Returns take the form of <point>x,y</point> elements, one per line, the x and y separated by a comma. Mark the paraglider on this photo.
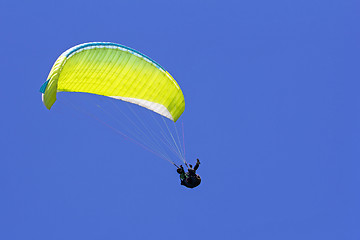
<point>189,179</point>
<point>121,73</point>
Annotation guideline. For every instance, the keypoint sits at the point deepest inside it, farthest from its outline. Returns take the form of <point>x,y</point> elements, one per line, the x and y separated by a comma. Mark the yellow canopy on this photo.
<point>115,71</point>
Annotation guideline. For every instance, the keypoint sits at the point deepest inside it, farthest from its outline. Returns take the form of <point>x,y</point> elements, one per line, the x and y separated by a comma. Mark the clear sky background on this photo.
<point>272,111</point>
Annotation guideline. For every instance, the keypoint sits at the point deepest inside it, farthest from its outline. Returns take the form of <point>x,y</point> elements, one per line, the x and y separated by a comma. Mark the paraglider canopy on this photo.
<point>115,71</point>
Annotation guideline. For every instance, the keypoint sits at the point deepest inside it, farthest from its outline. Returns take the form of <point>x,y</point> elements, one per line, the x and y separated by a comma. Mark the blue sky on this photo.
<point>272,111</point>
